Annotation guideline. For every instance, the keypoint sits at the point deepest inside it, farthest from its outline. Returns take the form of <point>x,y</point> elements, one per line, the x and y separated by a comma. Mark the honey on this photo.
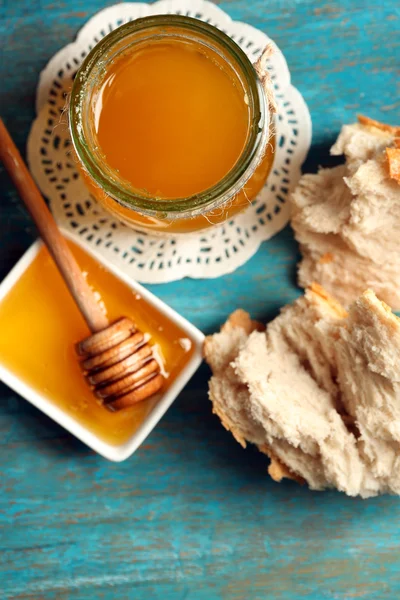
<point>40,325</point>
<point>170,120</point>
<point>170,125</point>
<point>190,224</point>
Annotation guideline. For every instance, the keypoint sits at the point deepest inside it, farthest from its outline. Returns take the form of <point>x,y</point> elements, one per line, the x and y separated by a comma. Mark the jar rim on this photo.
<point>223,190</point>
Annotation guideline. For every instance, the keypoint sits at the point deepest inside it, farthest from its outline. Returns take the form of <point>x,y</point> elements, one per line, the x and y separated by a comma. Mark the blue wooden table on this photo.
<point>191,516</point>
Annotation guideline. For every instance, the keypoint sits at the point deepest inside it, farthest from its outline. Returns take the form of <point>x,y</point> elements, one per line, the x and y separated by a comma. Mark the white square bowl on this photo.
<point>109,451</point>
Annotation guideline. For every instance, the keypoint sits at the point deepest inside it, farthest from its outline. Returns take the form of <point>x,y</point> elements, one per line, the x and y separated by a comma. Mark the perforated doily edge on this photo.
<point>227,265</point>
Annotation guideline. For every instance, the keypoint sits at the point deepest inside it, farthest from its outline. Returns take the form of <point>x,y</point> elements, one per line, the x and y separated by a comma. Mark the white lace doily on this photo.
<point>144,257</point>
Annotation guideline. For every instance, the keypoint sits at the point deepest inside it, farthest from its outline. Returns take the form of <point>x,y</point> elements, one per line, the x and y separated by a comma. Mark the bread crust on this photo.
<point>277,470</point>
<point>331,303</point>
<point>393,156</point>
<point>238,319</point>
<point>368,122</point>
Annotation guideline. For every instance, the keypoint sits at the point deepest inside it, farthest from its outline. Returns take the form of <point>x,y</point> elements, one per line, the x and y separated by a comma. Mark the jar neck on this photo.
<point>89,79</point>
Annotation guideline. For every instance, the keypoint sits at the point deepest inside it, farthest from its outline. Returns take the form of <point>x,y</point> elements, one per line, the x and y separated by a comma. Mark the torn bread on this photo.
<point>318,391</point>
<point>347,219</point>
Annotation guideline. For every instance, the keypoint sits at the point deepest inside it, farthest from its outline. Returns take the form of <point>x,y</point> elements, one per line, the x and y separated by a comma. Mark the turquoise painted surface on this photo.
<point>192,516</point>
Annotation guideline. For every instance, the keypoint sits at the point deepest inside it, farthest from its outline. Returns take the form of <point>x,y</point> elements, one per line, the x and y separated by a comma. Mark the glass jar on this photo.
<point>137,208</point>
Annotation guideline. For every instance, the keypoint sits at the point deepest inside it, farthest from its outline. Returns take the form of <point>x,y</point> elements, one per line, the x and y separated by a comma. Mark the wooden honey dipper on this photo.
<point>117,360</point>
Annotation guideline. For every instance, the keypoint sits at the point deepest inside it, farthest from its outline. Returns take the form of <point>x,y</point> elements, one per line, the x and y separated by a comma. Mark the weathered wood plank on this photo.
<point>192,516</point>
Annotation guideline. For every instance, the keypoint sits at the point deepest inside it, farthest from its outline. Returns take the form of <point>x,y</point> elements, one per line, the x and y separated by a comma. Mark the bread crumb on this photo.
<point>185,344</point>
<point>100,302</point>
<point>158,356</point>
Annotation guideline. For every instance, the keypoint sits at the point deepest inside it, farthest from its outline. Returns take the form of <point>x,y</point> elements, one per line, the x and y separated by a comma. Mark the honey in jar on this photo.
<point>170,125</point>
<point>40,325</point>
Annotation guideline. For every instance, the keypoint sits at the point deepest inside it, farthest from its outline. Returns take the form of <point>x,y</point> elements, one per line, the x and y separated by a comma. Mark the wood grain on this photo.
<point>192,516</point>
<point>50,233</point>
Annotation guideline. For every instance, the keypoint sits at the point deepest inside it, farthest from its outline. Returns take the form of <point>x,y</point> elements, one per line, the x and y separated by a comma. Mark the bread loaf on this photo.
<point>347,219</point>
<point>317,390</point>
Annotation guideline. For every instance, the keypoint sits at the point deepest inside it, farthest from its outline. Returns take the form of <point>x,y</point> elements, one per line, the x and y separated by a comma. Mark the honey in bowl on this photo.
<point>170,125</point>
<point>40,311</point>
